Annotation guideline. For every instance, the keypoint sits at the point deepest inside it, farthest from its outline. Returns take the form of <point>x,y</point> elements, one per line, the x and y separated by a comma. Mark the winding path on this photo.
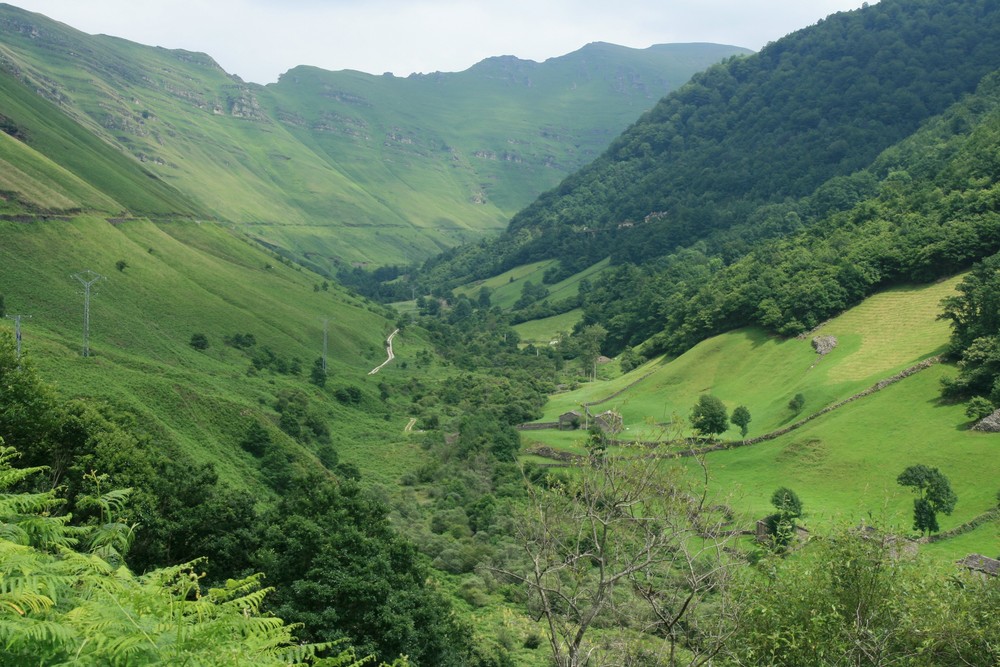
<point>409,427</point>
<point>388,351</point>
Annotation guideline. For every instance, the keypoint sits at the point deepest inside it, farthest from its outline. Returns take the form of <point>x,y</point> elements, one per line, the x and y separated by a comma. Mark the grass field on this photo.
<point>882,336</point>
<point>506,287</point>
<point>541,332</point>
<point>844,464</point>
<point>182,278</point>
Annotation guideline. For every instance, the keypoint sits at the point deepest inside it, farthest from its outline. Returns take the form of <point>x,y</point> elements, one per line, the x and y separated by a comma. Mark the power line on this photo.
<point>87,278</point>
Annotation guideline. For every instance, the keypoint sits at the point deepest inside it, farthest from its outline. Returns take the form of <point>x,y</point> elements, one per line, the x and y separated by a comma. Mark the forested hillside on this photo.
<point>336,167</point>
<point>762,148</point>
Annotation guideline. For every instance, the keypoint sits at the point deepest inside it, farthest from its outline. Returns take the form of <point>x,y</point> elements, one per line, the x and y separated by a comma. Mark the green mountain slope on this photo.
<point>843,463</point>
<point>819,103</point>
<point>116,183</point>
<point>183,278</point>
<point>344,166</point>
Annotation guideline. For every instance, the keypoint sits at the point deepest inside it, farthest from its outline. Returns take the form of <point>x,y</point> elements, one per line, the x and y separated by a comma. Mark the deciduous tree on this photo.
<point>741,418</point>
<point>629,545</point>
<point>934,495</point>
<point>709,415</point>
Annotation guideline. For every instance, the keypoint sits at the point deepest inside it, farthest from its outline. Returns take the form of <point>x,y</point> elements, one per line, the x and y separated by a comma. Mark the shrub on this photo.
<point>199,341</point>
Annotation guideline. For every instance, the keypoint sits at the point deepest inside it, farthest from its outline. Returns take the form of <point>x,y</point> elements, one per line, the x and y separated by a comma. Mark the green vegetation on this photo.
<point>741,418</point>
<point>934,495</point>
<point>333,168</point>
<point>781,242</point>
<point>876,601</point>
<point>417,510</point>
<point>709,416</point>
<point>845,459</point>
<point>67,597</point>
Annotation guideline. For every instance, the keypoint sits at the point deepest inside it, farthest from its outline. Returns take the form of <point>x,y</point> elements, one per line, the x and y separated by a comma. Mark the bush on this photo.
<point>256,440</point>
<point>199,341</point>
<point>978,408</point>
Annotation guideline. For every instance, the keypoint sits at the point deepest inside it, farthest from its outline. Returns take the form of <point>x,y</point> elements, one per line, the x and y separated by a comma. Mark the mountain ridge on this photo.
<point>352,167</point>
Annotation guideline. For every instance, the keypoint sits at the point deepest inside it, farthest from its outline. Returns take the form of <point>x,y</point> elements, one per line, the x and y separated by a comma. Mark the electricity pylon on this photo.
<point>17,333</point>
<point>87,278</point>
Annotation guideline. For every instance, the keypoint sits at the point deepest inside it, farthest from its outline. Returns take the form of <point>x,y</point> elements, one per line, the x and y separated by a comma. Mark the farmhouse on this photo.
<point>569,421</point>
<point>609,422</point>
<point>982,565</point>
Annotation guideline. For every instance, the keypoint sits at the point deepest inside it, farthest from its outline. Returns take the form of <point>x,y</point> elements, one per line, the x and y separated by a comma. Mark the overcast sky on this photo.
<point>260,39</point>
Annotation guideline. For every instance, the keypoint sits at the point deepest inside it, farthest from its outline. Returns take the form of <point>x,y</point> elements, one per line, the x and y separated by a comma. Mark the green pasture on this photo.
<point>984,540</point>
<point>570,287</point>
<point>541,332</point>
<point>506,287</point>
<point>885,334</point>
<point>844,465</point>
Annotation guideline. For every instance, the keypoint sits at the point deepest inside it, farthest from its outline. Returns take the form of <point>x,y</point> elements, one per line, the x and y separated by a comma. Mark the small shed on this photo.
<point>982,565</point>
<point>569,421</point>
<point>609,422</point>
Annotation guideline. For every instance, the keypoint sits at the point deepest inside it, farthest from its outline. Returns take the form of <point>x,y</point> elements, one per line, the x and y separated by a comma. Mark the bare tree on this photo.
<point>629,544</point>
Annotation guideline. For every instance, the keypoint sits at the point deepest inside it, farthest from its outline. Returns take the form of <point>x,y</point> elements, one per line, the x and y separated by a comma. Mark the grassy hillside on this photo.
<point>183,278</point>
<point>843,464</point>
<point>83,157</point>
<point>341,167</point>
<point>882,336</point>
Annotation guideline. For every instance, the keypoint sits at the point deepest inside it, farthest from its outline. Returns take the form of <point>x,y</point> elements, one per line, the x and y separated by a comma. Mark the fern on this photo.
<point>59,605</point>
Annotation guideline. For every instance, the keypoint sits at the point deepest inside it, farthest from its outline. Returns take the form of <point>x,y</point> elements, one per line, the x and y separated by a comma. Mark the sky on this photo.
<point>260,39</point>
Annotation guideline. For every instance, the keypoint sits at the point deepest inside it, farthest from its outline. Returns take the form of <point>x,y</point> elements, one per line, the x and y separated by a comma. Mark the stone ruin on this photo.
<point>824,344</point>
<point>989,424</point>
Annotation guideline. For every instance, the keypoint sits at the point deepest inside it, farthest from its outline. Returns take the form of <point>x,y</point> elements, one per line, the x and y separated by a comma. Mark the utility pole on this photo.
<point>87,278</point>
<point>326,337</point>
<point>17,333</point>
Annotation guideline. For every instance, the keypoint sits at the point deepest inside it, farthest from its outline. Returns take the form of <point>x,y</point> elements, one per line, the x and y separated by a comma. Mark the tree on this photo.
<point>121,265</point>
<point>199,341</point>
<point>978,408</point>
<point>741,418</point>
<point>797,403</point>
<point>852,598</point>
<point>588,346</point>
<point>318,374</point>
<point>709,416</point>
<point>483,299</point>
<point>934,495</point>
<point>629,543</point>
<point>62,605</point>
<point>781,524</point>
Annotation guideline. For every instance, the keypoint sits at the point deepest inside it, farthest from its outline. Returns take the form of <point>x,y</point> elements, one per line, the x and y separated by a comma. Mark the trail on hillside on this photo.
<point>388,351</point>
<point>409,427</point>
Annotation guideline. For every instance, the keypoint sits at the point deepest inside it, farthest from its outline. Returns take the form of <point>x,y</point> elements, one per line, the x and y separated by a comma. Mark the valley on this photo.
<point>429,370</point>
